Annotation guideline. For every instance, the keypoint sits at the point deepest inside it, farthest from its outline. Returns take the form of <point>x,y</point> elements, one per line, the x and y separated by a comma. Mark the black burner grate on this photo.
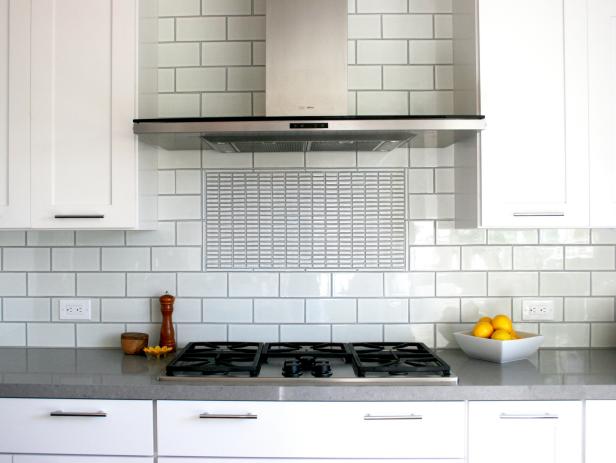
<point>207,358</point>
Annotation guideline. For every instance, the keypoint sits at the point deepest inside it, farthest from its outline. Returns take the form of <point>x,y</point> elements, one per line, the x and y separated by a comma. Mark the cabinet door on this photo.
<point>529,432</point>
<point>14,114</point>
<point>602,112</point>
<point>534,155</point>
<point>599,430</point>
<point>83,101</point>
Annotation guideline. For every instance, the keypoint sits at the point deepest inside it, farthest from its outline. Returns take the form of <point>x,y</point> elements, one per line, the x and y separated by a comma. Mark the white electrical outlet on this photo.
<point>533,309</point>
<point>75,309</point>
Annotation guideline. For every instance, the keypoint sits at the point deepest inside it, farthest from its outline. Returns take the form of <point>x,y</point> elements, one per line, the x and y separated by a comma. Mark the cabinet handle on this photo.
<point>217,416</point>
<point>392,417</point>
<point>545,416</point>
<point>93,216</point>
<point>99,414</point>
<point>538,214</point>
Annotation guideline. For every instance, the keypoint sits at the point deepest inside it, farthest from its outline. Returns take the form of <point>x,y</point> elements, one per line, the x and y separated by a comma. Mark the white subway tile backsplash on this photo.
<point>305,284</point>
<point>246,28</point>
<point>75,259</point>
<point>461,284</point>
<point>226,104</point>
<point>357,333</point>
<point>189,233</point>
<point>166,81</point>
<point>395,158</point>
<point>604,283</point>
<point>179,7</point>
<point>513,237</point>
<point>382,103</point>
<point>603,335</point>
<point>100,284</point>
<point>382,52</point>
<point>430,52</point>
<point>408,78</point>
<point>589,258</point>
<point>99,335</point>
<point>26,309</point>
<point>253,284</point>
<point>435,258</point>
<point>564,236</point>
<point>51,284</point>
<point>173,259</point>
<point>565,334</point>
<point>513,284</point>
<point>258,54</point>
<point>125,259</point>
<point>26,259</point>
<point>486,258</point>
<point>199,29</point>
<point>444,334</point>
<point>421,180</point>
<point>166,30</point>
<point>365,77</point>
<point>603,236</point>
<point>383,310</point>
<point>475,308</point>
<point>331,311</point>
<point>410,333</point>
<point>225,54</point>
<point>305,333</point>
<point>226,7</point>
<point>278,160</point>
<point>358,284</point>
<point>50,238</point>
<point>151,284</point>
<point>181,159</point>
<point>331,159</point>
<point>100,238</point>
<point>256,333</point>
<point>443,77</point>
<point>381,6</point>
<point>185,310</point>
<point>538,258</point>
<point>279,311</point>
<point>227,310</point>
<point>417,284</point>
<point>12,334</point>
<point>437,206</point>
<point>164,236</point>
<point>200,79</point>
<point>125,310</point>
<point>565,284</point>
<point>440,102</point>
<point>179,105</point>
<point>364,26</point>
<point>443,26</point>
<point>208,284</point>
<point>432,157</point>
<point>435,310</point>
<point>407,27</point>
<point>215,160</point>
<point>444,180</point>
<point>12,284</point>
<point>447,234</point>
<point>12,238</point>
<point>178,54</point>
<point>587,309</point>
<point>421,233</point>
<point>179,207</point>
<point>198,333</point>
<point>246,78</point>
<point>51,335</point>
<point>430,6</point>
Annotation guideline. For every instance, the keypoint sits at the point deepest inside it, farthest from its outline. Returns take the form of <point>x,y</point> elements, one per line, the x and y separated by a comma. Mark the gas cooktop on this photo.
<point>309,363</point>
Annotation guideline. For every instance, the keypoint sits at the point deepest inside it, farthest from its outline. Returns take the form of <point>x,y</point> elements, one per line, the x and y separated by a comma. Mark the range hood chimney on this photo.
<point>307,98</point>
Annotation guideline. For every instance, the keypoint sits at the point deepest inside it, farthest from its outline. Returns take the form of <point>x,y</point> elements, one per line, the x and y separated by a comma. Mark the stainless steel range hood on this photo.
<point>306,98</point>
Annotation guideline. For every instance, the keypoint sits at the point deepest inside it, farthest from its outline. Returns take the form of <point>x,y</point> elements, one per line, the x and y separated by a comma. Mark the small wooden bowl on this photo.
<point>133,343</point>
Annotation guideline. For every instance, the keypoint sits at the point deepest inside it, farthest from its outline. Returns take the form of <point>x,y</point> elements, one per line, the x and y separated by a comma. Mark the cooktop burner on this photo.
<point>306,362</point>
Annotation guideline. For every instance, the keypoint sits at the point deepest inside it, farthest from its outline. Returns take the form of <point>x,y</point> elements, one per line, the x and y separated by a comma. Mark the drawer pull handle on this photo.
<point>93,216</point>
<point>80,414</point>
<point>545,416</point>
<point>218,416</point>
<point>392,417</point>
<point>538,214</point>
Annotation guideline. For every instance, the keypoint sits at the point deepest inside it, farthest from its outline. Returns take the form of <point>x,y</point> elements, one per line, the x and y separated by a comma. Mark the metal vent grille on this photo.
<point>305,220</point>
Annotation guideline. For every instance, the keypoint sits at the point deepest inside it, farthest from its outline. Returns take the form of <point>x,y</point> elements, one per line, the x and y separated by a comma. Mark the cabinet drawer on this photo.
<point>311,430</point>
<point>85,427</point>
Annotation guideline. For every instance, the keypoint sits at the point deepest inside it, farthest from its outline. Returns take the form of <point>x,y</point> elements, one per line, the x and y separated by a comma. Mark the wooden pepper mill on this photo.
<point>167,334</point>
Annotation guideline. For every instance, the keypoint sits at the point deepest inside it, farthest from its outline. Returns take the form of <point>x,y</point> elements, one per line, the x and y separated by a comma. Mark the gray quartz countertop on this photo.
<point>109,374</point>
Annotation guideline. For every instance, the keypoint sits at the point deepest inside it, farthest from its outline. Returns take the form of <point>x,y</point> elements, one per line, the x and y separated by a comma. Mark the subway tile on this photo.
<point>51,238</point>
<point>215,160</point>
<point>444,334</point>
<point>200,79</point>
<point>179,105</point>
<point>381,6</point>
<point>430,6</point>
<point>564,236</point>
<point>589,258</point>
<point>408,78</point>
<point>165,259</point>
<point>382,103</point>
<point>166,80</point>
<point>166,30</point>
<point>513,284</point>
<point>305,333</point>
<point>129,310</point>
<point>435,258</point>
<point>12,284</point>
<point>557,303</point>
<point>538,258</point>
<point>589,309</point>
<point>51,335</point>
<point>444,180</point>
<point>279,160</point>
<point>565,334</point>
<point>431,206</point>
<point>12,238</point>
<point>430,52</point>
<point>258,54</point>
<point>421,180</point>
<point>603,236</point>
<point>421,232</point>
<point>126,259</point>
<point>418,284</point>
<point>151,329</point>
<point>225,53</point>
<point>197,332</point>
<point>100,284</point>
<point>253,284</point>
<point>331,311</point>
<point>179,7</point>
<point>432,157</point>
<point>100,238</point>
<point>475,308</point>
<point>51,284</point>
<point>25,259</point>
<point>461,284</point>
<point>443,26</point>
<point>99,335</point>
<point>358,284</point>
<point>226,7</point>
<point>365,78</point>
<point>256,333</point>
<point>246,78</point>
<point>279,310</point>
<point>410,333</point>
<point>184,310</point>
<point>486,258</point>
<point>364,26</point>
<point>179,207</point>
<point>382,52</point>
<point>151,284</point>
<point>95,310</point>
<point>603,335</point>
<point>407,26</point>
<point>178,54</point>
<point>357,333</point>
<point>446,233</point>
<point>383,310</point>
<point>188,182</point>
<point>351,52</point>
<point>199,29</point>
<point>440,102</point>
<point>180,159</point>
<point>246,28</point>
<point>395,158</point>
<point>26,309</point>
<point>12,334</point>
<point>258,7</point>
<point>532,328</point>
<point>433,310</point>
<point>75,259</point>
<point>443,77</point>
<point>208,284</point>
<point>565,284</point>
<point>189,233</point>
<point>227,310</point>
<point>164,236</point>
<point>513,237</point>
<point>305,284</point>
<point>226,104</point>
<point>603,283</point>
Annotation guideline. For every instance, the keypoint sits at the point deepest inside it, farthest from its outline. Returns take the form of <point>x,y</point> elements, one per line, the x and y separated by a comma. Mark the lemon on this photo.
<point>501,335</point>
<point>514,335</point>
<point>502,322</point>
<point>483,329</point>
<point>485,319</point>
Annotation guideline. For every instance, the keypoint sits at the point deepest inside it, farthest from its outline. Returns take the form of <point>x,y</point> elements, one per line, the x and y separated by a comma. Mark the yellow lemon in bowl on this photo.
<point>502,322</point>
<point>483,329</point>
<point>485,319</point>
<point>501,335</point>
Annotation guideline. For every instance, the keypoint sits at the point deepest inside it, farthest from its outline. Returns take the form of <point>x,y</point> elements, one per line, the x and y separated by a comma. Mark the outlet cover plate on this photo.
<point>75,309</point>
<point>537,309</point>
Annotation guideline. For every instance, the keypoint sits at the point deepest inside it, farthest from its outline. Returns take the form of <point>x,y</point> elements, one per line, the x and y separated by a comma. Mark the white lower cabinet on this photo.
<point>323,430</point>
<point>600,430</point>
<point>529,432</point>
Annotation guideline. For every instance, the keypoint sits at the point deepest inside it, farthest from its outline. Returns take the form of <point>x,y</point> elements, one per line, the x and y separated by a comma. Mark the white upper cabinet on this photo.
<point>14,114</point>
<point>602,111</point>
<point>533,92</point>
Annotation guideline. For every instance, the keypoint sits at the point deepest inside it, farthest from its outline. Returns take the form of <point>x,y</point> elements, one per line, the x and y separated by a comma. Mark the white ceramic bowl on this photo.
<point>499,351</point>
